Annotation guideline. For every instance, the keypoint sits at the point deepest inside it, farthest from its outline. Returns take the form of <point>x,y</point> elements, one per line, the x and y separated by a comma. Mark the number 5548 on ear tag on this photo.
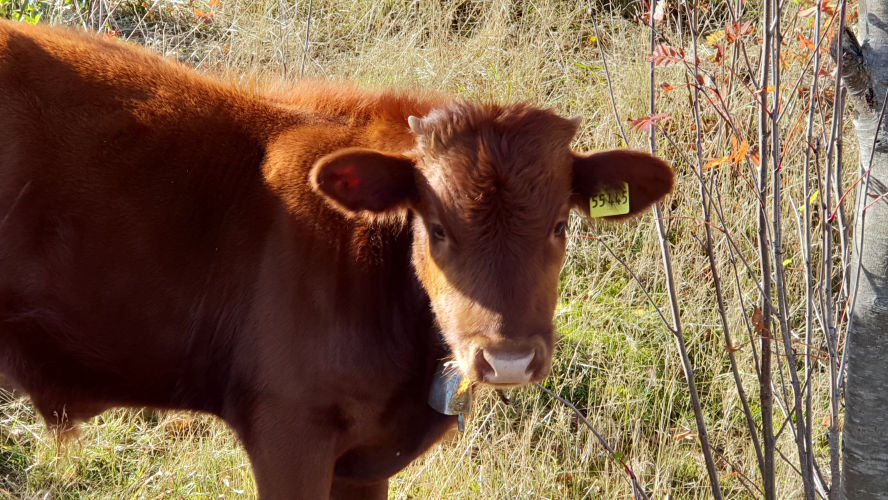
<point>610,202</point>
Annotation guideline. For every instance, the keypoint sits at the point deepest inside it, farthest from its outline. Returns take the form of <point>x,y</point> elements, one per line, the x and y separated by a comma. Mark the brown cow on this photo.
<point>288,263</point>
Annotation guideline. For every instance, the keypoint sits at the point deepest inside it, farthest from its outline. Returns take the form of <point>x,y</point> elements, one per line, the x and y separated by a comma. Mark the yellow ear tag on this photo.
<point>609,202</point>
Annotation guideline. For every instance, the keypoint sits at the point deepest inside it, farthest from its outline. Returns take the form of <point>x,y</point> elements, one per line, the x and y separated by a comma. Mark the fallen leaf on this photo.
<point>679,433</point>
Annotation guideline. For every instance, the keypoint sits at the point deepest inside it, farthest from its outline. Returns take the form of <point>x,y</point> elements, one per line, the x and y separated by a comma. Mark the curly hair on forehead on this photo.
<point>507,154</point>
<point>496,177</point>
<point>504,129</point>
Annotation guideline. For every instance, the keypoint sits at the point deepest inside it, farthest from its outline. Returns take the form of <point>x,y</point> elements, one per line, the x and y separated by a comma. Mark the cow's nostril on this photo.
<point>482,367</point>
<point>508,368</point>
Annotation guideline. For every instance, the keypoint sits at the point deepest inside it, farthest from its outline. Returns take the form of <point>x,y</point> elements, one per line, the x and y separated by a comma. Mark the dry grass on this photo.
<point>616,361</point>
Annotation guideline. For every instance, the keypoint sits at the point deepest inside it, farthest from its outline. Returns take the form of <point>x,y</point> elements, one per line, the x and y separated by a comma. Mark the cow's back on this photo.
<point>132,210</point>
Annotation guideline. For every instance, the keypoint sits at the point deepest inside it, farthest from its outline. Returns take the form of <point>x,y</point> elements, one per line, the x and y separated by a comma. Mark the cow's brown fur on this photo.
<point>283,262</point>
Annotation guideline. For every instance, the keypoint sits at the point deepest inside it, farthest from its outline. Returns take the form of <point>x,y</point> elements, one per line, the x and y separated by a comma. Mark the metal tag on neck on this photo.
<point>451,394</point>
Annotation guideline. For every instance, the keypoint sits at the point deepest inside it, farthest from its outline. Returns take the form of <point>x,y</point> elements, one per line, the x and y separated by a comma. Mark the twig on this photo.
<point>702,433</point>
<point>631,273</point>
<point>765,395</point>
<point>607,75</point>
<point>831,332</point>
<point>305,44</point>
<point>705,201</point>
<point>807,469</point>
<point>638,491</point>
<point>809,270</point>
<point>744,480</point>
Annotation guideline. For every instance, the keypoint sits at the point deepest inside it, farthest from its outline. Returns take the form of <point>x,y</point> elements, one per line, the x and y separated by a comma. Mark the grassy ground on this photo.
<point>616,360</point>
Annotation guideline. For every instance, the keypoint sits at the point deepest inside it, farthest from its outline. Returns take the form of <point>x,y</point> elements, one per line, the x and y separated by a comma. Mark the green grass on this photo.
<point>616,359</point>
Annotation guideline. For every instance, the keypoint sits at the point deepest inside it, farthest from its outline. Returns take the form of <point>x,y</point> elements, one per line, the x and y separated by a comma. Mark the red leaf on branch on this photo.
<point>719,53</point>
<point>735,31</point>
<point>666,55</point>
<point>646,122</point>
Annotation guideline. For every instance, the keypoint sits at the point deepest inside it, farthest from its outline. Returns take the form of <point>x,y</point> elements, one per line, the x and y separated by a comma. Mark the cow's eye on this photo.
<point>436,231</point>
<point>560,229</point>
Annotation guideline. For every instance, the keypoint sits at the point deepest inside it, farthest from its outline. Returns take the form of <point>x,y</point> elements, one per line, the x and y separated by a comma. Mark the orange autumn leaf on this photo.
<point>738,153</point>
<point>716,162</point>
<point>205,16</point>
<point>807,43</point>
<point>756,159</point>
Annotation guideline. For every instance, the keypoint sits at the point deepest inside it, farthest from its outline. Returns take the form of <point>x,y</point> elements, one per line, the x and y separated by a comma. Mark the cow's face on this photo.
<point>489,190</point>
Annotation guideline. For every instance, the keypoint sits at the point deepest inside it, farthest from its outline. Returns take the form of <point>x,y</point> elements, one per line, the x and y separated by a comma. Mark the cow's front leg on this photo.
<point>290,459</point>
<point>348,490</point>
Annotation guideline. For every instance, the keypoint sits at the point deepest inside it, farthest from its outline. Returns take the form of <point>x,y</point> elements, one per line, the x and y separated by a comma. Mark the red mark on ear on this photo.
<point>348,178</point>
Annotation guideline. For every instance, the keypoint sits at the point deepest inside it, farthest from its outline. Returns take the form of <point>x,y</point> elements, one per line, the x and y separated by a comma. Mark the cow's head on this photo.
<point>489,189</point>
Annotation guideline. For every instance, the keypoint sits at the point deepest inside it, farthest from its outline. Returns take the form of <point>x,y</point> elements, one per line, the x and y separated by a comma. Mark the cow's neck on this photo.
<point>356,286</point>
<point>398,307</point>
<point>401,349</point>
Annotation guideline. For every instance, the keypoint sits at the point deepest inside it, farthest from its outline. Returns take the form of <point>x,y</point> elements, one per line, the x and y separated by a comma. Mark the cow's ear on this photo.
<point>357,180</point>
<point>613,173</point>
